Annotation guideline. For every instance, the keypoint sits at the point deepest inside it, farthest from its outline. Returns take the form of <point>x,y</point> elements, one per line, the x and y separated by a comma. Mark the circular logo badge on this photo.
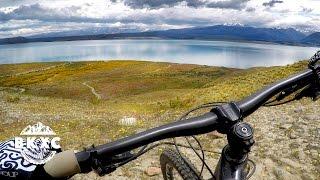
<point>37,153</point>
<point>38,143</point>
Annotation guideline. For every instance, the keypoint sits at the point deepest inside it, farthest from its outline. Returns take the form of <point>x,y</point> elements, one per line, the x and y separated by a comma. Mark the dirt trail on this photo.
<point>93,91</point>
<point>14,89</point>
<point>35,70</point>
<point>157,70</point>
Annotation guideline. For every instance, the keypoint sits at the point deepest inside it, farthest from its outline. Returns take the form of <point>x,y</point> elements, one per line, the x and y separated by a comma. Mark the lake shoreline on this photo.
<point>131,60</point>
<point>211,53</point>
<point>157,38</point>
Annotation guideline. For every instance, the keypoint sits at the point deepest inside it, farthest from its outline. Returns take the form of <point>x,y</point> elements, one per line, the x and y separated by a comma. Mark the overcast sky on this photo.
<point>32,17</point>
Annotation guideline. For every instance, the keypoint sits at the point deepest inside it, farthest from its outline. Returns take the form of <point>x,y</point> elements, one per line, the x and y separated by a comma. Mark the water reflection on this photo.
<point>216,53</point>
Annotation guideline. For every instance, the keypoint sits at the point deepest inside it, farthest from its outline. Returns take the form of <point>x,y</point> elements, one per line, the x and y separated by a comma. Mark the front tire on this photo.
<point>172,162</point>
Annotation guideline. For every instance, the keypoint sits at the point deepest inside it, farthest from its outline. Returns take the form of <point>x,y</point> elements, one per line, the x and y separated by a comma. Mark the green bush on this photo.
<point>181,103</point>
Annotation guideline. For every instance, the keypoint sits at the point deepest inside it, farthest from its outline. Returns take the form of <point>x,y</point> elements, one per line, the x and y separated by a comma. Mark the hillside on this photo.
<point>233,33</point>
<point>14,40</point>
<point>312,39</point>
<point>218,32</point>
<point>88,100</point>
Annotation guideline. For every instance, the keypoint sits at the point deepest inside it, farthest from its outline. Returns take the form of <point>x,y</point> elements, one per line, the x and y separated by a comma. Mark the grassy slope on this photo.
<point>152,92</point>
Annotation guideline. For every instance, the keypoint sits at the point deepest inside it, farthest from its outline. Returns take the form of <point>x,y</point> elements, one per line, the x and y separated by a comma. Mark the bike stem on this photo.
<point>234,156</point>
<point>240,140</point>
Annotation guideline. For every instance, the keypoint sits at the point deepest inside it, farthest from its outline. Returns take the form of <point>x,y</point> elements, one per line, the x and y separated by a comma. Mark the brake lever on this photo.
<point>90,160</point>
<point>103,166</point>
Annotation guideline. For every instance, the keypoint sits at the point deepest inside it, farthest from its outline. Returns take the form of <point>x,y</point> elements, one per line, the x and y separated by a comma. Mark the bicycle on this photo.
<point>225,118</point>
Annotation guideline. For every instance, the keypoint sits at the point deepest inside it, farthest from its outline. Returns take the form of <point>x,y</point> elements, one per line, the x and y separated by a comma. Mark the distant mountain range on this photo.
<point>219,32</point>
<point>313,39</point>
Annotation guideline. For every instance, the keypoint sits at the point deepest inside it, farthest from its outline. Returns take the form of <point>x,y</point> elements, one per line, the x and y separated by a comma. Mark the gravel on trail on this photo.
<point>287,146</point>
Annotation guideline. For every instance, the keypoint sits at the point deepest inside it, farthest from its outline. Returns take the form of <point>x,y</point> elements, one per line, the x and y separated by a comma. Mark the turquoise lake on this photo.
<point>214,53</point>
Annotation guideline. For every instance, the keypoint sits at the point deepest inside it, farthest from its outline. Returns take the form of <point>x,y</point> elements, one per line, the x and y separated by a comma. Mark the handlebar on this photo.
<point>197,125</point>
<point>253,102</point>
<point>201,124</point>
<point>193,126</point>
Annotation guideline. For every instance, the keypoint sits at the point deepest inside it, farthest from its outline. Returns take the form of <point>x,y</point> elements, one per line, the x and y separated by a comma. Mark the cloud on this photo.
<point>250,9</point>
<point>229,4</point>
<point>306,10</point>
<point>32,17</point>
<point>156,4</point>
<point>272,3</point>
<point>116,13</point>
<point>39,12</point>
